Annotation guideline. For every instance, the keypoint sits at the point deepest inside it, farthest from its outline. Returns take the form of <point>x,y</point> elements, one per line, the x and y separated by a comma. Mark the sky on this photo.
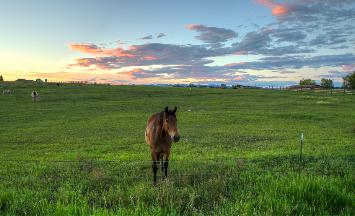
<point>248,42</point>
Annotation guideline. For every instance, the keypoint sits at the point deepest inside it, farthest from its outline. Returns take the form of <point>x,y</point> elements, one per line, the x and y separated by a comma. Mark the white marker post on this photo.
<point>300,157</point>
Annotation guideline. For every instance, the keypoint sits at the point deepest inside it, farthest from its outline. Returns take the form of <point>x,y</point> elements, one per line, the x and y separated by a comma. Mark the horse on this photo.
<point>34,96</point>
<point>7,91</point>
<point>160,132</point>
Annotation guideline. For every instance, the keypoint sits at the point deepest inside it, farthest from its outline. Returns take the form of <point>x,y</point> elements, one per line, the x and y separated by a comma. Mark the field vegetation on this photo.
<point>80,150</point>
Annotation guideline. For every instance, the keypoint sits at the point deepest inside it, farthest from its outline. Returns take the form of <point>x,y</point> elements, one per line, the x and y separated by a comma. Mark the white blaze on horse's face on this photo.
<point>170,124</point>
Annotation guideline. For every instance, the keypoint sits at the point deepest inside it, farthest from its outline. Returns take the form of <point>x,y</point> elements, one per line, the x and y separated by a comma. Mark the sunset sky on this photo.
<point>250,42</point>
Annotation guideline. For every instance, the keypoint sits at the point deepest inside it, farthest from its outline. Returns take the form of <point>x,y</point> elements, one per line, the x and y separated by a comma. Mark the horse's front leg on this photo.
<point>166,163</point>
<point>154,165</point>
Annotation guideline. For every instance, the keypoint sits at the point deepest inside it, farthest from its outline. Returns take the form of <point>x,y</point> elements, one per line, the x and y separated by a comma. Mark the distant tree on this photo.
<point>304,82</point>
<point>349,81</point>
<point>327,83</point>
<point>1,78</point>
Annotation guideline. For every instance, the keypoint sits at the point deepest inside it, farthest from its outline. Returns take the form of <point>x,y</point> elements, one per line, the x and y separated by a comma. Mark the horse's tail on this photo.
<point>146,136</point>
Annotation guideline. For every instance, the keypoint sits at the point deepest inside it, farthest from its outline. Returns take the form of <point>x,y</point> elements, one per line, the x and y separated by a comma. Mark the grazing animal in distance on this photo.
<point>7,91</point>
<point>35,96</point>
<point>161,131</point>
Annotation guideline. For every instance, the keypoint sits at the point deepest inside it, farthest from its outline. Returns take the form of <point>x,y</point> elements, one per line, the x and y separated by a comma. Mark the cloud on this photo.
<point>267,41</point>
<point>284,50</point>
<point>329,20</point>
<point>148,37</point>
<point>85,48</point>
<point>309,10</point>
<point>100,51</point>
<point>161,35</point>
<point>296,62</point>
<point>285,71</point>
<point>294,41</point>
<point>186,61</point>
<point>286,35</point>
<point>150,54</point>
<point>212,35</point>
<point>349,67</point>
<point>322,40</point>
<point>201,73</point>
<point>278,9</point>
<point>333,74</point>
<point>253,41</point>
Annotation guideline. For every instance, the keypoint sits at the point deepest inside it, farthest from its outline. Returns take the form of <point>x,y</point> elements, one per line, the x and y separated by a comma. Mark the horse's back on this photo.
<point>152,126</point>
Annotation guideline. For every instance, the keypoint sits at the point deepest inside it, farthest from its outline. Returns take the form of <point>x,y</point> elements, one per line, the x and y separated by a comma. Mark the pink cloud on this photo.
<point>239,78</point>
<point>277,9</point>
<point>95,50</point>
<point>84,62</point>
<point>280,10</point>
<point>130,73</point>
<point>234,64</point>
<point>118,52</point>
<point>193,26</point>
<point>241,52</point>
<point>86,48</point>
<point>349,67</point>
<point>150,58</point>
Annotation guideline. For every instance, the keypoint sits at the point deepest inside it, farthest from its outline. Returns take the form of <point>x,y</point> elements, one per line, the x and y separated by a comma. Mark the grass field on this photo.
<point>80,150</point>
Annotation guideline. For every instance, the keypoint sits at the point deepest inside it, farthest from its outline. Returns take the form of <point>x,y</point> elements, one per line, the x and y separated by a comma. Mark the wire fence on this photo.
<point>226,167</point>
<point>285,164</point>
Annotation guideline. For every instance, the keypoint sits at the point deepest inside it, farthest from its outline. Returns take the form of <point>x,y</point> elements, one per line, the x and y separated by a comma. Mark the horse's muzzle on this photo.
<point>176,138</point>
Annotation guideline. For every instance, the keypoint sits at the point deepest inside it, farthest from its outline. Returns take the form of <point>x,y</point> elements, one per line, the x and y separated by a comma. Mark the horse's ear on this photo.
<point>166,109</point>
<point>175,109</point>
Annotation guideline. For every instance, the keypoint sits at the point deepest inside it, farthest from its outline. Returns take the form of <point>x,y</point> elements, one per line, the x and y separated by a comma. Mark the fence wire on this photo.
<point>177,167</point>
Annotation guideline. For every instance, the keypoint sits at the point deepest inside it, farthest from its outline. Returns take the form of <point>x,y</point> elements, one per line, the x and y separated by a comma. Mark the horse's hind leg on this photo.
<point>161,159</point>
<point>155,165</point>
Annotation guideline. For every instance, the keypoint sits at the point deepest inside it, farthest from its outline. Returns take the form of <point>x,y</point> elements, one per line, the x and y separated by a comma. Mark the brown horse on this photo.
<point>161,131</point>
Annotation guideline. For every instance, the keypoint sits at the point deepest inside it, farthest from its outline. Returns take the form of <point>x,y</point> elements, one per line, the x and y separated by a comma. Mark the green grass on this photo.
<point>80,150</point>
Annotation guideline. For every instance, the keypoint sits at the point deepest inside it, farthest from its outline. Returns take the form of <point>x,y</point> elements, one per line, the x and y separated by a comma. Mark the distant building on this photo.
<point>24,81</point>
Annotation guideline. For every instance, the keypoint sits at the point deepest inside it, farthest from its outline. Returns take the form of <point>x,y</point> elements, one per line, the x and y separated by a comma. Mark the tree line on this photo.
<point>348,82</point>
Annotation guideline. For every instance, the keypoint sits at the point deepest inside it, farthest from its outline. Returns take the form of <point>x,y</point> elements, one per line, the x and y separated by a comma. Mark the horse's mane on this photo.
<point>159,121</point>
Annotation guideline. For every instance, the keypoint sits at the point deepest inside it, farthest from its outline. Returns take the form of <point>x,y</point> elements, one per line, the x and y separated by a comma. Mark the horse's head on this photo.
<point>170,124</point>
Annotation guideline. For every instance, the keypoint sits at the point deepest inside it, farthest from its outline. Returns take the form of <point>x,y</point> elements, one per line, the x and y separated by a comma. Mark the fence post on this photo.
<point>300,156</point>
